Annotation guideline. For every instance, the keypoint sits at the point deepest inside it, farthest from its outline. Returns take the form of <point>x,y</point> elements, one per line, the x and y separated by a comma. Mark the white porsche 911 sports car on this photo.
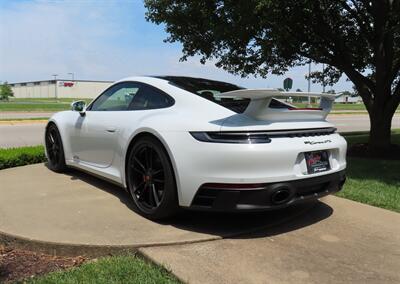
<point>175,142</point>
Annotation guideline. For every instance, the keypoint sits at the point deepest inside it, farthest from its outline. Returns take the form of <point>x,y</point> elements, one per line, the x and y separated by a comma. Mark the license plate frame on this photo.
<point>317,161</point>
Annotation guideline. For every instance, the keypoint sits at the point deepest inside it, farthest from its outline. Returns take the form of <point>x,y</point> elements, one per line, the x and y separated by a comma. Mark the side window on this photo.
<point>150,98</point>
<point>117,98</point>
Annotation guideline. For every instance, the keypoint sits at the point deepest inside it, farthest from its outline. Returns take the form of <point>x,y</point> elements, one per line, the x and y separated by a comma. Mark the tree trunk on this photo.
<point>380,131</point>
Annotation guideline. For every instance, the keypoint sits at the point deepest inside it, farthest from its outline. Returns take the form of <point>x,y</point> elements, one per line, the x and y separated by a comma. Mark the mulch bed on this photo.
<point>361,150</point>
<point>18,264</point>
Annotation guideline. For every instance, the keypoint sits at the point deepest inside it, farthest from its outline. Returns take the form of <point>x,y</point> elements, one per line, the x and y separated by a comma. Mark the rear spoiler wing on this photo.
<point>259,106</point>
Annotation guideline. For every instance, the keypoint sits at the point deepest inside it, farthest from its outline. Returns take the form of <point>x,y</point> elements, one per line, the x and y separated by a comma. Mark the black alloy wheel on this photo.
<point>151,179</point>
<point>54,149</point>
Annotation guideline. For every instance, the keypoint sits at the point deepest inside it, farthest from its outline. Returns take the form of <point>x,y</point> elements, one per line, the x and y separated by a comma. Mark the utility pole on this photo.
<point>55,85</point>
<point>72,75</point>
<point>309,83</point>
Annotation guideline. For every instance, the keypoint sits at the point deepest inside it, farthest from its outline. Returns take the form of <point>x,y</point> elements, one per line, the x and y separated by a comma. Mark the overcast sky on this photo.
<point>102,40</point>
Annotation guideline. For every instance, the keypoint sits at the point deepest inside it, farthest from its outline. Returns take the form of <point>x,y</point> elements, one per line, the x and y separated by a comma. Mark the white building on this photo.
<point>59,89</point>
<point>346,99</point>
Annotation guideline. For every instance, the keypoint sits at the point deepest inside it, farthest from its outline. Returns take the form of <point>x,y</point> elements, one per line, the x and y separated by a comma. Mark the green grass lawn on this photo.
<point>11,106</point>
<point>349,107</point>
<point>108,270</point>
<point>39,104</point>
<point>374,182</point>
<point>340,107</point>
<point>356,107</point>
<point>362,137</point>
<point>47,100</point>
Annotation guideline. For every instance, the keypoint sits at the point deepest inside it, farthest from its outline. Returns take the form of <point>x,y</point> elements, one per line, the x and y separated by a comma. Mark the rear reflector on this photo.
<point>233,185</point>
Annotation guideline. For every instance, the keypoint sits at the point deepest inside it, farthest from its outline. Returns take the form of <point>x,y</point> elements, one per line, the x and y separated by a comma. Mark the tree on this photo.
<point>5,91</point>
<point>347,93</point>
<point>358,38</point>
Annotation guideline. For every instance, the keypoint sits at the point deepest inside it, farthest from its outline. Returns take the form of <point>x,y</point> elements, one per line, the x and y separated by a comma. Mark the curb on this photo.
<point>24,121</point>
<point>59,249</point>
<point>68,249</point>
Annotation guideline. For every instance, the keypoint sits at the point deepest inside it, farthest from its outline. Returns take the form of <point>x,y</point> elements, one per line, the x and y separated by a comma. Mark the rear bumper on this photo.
<point>281,161</point>
<point>268,196</point>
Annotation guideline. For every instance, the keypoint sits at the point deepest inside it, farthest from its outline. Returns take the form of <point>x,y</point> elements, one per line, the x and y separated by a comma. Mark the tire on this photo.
<point>150,179</point>
<point>54,149</point>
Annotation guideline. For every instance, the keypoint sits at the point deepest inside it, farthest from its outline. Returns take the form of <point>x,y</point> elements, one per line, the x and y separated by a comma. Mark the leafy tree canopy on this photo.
<point>359,38</point>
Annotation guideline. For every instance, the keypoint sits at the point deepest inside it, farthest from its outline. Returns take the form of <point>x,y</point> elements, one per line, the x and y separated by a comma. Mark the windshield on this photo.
<point>210,90</point>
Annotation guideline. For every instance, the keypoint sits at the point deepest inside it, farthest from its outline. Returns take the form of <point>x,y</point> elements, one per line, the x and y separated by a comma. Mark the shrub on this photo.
<point>5,92</point>
<point>15,157</point>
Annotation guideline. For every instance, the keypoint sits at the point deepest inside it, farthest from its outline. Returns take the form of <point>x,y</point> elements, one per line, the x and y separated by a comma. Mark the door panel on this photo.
<point>95,135</point>
<point>94,138</point>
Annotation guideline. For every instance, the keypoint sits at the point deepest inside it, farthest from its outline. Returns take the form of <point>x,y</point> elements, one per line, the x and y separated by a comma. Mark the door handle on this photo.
<point>111,129</point>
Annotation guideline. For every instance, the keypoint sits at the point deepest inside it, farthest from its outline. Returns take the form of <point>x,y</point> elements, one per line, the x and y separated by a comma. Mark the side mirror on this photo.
<point>79,106</point>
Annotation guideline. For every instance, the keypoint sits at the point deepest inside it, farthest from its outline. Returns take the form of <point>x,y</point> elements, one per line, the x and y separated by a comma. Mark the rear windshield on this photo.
<point>210,90</point>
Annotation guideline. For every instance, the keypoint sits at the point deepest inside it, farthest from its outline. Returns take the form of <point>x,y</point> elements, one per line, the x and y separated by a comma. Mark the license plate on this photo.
<point>317,161</point>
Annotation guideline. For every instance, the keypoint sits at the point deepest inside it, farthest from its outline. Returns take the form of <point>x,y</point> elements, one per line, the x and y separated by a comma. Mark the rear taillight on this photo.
<point>258,137</point>
<point>231,137</point>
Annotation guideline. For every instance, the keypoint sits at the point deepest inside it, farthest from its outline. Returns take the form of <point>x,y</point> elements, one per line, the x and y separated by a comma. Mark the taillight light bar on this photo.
<point>258,137</point>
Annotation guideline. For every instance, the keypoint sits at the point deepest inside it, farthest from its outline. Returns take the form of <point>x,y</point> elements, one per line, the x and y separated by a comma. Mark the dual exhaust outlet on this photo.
<point>281,194</point>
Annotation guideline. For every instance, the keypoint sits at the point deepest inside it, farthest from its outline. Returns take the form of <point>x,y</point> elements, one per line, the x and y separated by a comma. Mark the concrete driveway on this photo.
<point>332,241</point>
<point>337,241</point>
<point>27,134</point>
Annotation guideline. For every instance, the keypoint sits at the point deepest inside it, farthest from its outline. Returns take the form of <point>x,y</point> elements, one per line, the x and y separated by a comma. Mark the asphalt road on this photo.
<point>349,122</point>
<point>28,134</point>
<point>23,114</point>
<point>21,134</point>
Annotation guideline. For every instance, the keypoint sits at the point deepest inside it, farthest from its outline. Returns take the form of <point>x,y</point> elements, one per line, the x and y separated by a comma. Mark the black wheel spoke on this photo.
<point>149,196</point>
<point>142,193</point>
<point>159,171</point>
<point>55,155</point>
<point>148,157</point>
<point>136,169</point>
<point>155,195</point>
<point>137,187</point>
<point>140,164</point>
<point>51,138</point>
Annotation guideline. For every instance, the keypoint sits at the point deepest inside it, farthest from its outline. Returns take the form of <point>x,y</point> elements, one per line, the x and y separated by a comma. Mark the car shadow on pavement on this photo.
<point>227,225</point>
<point>255,224</point>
